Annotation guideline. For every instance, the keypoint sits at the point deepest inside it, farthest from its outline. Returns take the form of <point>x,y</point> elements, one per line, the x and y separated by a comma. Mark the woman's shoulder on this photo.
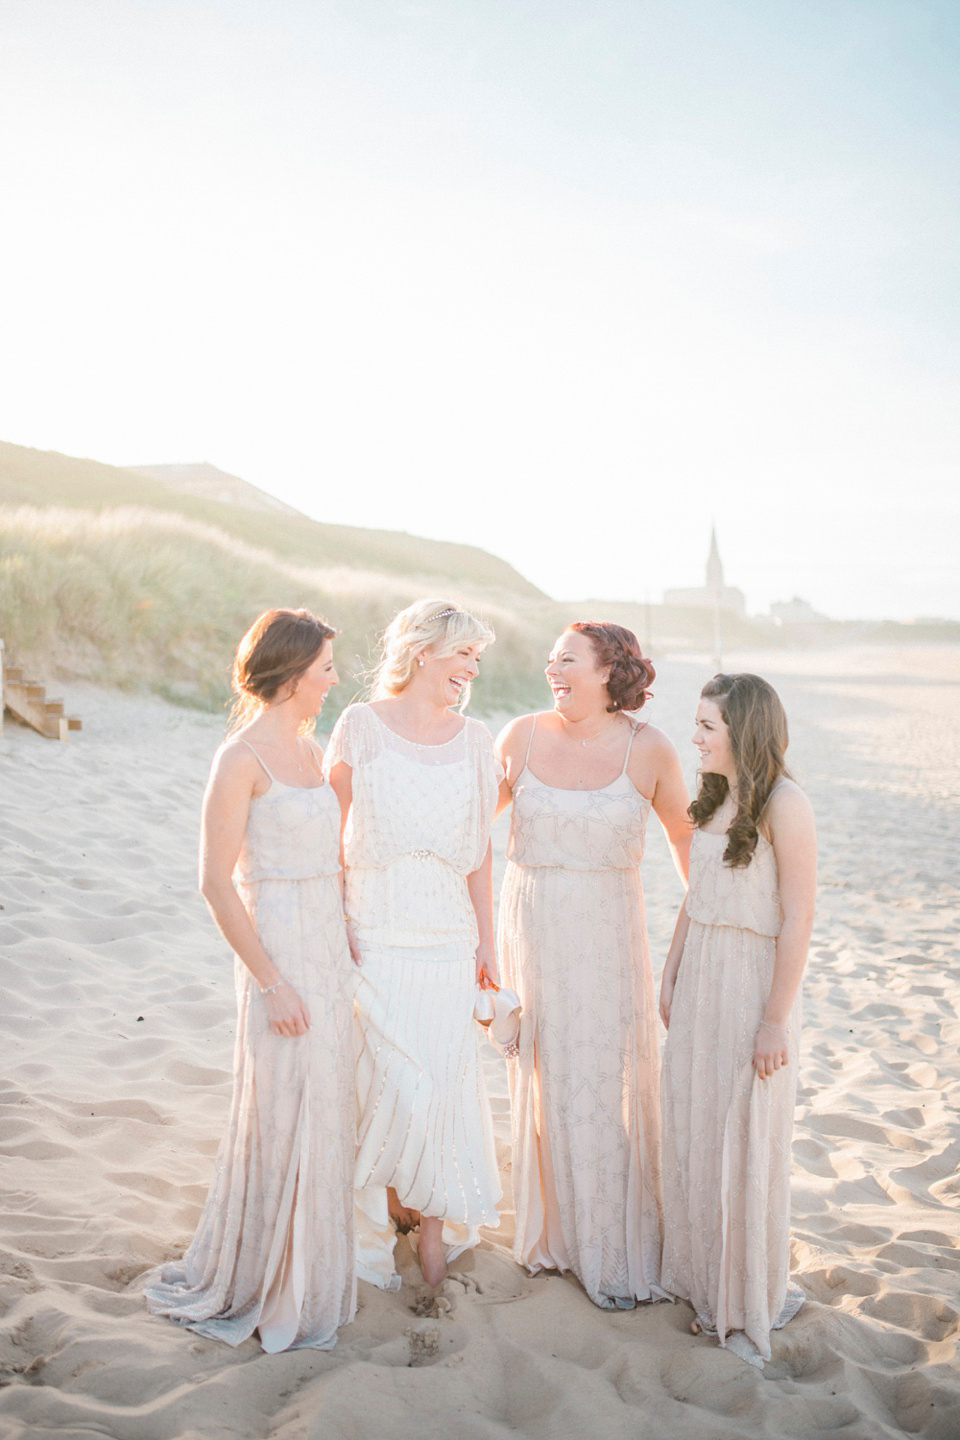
<point>475,732</point>
<point>355,737</point>
<point>649,740</point>
<point>516,734</point>
<point>788,811</point>
<point>358,713</point>
<point>787,796</point>
<point>236,760</point>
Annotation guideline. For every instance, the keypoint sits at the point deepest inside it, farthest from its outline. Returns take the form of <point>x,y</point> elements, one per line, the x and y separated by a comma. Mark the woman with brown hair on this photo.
<point>273,1251</point>
<point>583,779</point>
<point>730,999</point>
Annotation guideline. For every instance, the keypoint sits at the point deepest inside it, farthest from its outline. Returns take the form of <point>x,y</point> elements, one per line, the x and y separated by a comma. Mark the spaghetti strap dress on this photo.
<point>419,824</point>
<point>726,1133</point>
<point>274,1249</point>
<point>584,1090</point>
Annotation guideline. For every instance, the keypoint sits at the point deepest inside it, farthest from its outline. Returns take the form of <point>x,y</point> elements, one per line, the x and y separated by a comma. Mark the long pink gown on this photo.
<point>274,1248</point>
<point>584,1091</point>
<point>727,1134</point>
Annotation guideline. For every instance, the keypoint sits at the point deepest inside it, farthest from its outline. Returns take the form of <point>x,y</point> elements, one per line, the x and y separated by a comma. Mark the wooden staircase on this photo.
<point>27,702</point>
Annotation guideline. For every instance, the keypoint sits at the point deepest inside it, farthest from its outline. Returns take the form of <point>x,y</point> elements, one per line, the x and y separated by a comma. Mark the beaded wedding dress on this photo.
<point>418,826</point>
<point>727,1134</point>
<point>274,1249</point>
<point>584,1091</point>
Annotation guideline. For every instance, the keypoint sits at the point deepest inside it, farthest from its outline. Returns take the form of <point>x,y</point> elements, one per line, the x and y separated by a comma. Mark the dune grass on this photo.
<point>138,598</point>
<point>45,478</point>
<point>111,576</point>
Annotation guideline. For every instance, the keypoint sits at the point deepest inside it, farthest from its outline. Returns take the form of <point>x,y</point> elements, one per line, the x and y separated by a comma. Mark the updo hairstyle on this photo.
<point>278,648</point>
<point>437,625</point>
<point>631,675</point>
<point>757,722</point>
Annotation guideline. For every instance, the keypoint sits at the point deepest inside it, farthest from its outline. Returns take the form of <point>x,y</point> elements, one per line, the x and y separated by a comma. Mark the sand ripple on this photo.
<point>117,1032</point>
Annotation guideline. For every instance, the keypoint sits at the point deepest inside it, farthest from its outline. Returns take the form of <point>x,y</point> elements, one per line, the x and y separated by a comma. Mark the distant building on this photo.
<point>713,593</point>
<point>795,612</point>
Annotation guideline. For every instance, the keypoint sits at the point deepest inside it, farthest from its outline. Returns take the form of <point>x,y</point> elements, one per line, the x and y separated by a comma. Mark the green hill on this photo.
<point>121,578</point>
<point>113,576</point>
<point>40,477</point>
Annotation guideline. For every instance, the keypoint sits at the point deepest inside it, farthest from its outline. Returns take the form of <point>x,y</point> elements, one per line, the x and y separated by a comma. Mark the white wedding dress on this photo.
<point>419,825</point>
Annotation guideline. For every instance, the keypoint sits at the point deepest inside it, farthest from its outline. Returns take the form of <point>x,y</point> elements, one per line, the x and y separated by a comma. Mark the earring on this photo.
<point>420,663</point>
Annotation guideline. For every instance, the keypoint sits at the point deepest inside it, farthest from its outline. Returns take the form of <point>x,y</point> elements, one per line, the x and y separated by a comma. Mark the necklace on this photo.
<point>590,738</point>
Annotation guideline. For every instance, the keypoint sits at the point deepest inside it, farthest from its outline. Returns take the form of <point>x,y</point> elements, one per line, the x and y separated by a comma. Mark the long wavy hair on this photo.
<point>437,625</point>
<point>279,647</point>
<point>757,722</point>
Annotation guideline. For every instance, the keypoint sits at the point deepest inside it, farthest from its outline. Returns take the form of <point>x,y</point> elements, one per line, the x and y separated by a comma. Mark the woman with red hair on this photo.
<point>583,778</point>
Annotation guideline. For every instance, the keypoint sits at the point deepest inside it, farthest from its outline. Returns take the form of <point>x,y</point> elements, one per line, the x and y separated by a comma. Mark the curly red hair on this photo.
<point>631,674</point>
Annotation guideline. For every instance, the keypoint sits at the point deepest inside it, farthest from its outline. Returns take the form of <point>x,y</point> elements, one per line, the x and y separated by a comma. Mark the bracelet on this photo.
<point>269,989</point>
<point>770,1025</point>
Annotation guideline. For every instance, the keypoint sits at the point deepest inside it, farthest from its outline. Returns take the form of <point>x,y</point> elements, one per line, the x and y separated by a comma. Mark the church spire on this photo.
<point>714,565</point>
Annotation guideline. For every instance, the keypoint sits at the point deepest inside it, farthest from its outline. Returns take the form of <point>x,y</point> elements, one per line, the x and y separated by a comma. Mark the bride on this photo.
<point>417,783</point>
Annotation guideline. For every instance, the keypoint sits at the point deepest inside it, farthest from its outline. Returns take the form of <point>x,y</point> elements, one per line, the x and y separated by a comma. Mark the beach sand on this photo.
<point>117,1028</point>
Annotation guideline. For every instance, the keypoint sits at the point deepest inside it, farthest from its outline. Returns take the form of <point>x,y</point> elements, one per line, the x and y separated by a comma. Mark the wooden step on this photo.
<point>26,700</point>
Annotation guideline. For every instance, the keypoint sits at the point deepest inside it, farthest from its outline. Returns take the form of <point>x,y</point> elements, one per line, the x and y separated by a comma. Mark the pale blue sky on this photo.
<point>567,280</point>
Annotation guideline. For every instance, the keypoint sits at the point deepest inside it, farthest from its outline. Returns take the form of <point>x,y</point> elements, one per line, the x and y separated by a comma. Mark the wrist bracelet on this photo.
<point>269,989</point>
<point>770,1025</point>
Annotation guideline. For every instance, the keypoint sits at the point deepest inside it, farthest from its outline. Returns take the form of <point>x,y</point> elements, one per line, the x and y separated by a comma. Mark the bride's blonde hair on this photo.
<point>435,625</point>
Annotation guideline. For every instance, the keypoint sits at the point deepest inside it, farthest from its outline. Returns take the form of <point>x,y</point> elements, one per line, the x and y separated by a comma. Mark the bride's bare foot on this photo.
<point>403,1218</point>
<point>433,1262</point>
<point>695,1327</point>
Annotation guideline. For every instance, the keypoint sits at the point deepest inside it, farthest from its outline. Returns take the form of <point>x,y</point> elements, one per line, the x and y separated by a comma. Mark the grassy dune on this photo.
<point>42,478</point>
<point>113,576</point>
<point>134,597</point>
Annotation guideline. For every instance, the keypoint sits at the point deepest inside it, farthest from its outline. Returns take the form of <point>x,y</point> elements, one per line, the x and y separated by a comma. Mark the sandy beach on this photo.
<point>117,1029</point>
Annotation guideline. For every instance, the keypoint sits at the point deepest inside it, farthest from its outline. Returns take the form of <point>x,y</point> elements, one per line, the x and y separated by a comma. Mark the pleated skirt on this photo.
<point>423,1117</point>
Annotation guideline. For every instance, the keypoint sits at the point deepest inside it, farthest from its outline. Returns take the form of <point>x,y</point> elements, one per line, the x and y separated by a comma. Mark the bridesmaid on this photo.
<point>417,783</point>
<point>573,941</point>
<point>274,1249</point>
<point>730,997</point>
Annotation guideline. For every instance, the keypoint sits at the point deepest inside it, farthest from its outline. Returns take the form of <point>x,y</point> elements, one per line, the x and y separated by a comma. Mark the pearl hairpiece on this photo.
<point>442,615</point>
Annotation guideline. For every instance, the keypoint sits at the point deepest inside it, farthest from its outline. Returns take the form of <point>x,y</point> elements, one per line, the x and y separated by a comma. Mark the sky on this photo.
<point>568,281</point>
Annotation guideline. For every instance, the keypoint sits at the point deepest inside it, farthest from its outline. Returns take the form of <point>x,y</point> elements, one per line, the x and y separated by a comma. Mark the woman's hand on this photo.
<point>671,966</point>
<point>487,976</point>
<point>286,1012</point>
<point>667,985</point>
<point>355,953</point>
<point>770,1051</point>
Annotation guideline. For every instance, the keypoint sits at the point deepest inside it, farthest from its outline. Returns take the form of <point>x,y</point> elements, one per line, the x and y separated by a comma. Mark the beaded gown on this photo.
<point>419,824</point>
<point>274,1249</point>
<point>727,1134</point>
<point>584,1091</point>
